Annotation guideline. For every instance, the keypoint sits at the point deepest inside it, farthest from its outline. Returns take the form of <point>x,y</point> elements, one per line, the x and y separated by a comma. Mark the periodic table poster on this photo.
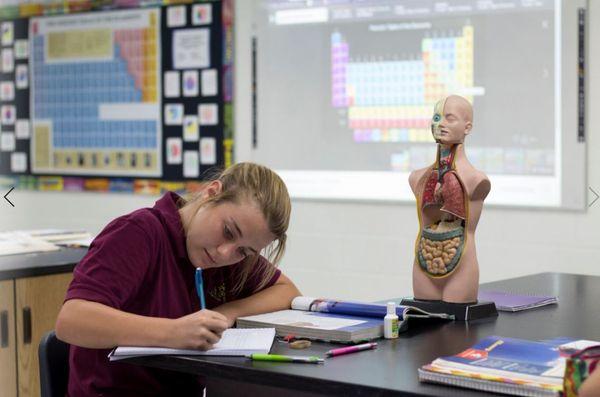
<point>98,100</point>
<point>95,93</point>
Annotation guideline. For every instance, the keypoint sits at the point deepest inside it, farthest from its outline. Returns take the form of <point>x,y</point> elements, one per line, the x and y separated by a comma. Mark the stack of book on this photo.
<point>506,365</point>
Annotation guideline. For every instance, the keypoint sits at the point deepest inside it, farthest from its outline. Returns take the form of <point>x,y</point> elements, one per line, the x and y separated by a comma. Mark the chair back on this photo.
<point>54,366</point>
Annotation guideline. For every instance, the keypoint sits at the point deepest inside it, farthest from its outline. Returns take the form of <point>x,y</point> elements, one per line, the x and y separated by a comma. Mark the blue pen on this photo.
<point>200,288</point>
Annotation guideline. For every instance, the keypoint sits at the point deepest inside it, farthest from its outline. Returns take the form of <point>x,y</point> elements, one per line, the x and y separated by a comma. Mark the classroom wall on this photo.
<point>358,250</point>
<point>361,250</point>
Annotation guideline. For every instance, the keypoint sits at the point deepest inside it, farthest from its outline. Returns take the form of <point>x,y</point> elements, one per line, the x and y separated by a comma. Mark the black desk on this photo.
<point>40,263</point>
<point>392,368</point>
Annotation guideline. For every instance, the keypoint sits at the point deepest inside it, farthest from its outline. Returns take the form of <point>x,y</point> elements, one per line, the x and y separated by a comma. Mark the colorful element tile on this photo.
<point>391,101</point>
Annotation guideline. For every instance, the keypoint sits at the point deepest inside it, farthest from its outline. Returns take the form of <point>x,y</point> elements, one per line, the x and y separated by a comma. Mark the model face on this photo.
<point>224,234</point>
<point>448,124</point>
<point>436,120</point>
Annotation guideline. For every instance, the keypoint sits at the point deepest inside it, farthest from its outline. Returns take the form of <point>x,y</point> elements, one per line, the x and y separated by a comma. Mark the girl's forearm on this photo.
<point>276,297</point>
<point>94,325</point>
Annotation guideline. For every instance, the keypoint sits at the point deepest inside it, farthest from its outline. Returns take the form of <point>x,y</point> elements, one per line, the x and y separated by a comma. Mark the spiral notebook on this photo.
<point>511,302</point>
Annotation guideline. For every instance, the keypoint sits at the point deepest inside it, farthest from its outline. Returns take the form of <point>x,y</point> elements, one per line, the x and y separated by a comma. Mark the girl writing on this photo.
<point>136,286</point>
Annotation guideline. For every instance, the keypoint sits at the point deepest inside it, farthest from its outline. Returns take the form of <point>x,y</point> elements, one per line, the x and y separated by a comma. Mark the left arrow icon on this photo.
<point>6,198</point>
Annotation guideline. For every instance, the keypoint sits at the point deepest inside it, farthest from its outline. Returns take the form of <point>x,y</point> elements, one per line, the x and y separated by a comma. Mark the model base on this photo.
<point>461,311</point>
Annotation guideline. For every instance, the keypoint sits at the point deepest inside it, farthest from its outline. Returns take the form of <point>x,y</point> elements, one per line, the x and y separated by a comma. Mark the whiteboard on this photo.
<point>345,93</point>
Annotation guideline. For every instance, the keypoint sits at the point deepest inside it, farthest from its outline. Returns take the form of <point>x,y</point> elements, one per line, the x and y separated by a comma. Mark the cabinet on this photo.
<point>30,306</point>
<point>8,364</point>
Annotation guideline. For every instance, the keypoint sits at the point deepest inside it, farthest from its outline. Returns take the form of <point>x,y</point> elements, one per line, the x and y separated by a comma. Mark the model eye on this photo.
<point>436,118</point>
<point>227,233</point>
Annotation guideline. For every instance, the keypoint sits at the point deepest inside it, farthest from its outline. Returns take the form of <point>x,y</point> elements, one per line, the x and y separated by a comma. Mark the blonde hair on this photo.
<point>262,186</point>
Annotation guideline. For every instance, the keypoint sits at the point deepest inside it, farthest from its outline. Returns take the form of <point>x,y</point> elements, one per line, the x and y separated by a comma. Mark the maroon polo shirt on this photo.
<point>139,264</point>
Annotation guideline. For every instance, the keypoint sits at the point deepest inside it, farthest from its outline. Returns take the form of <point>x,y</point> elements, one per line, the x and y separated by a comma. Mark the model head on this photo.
<point>452,120</point>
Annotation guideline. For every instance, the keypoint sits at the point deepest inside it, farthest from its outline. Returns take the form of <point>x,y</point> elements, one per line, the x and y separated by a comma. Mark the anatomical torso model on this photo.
<point>450,195</point>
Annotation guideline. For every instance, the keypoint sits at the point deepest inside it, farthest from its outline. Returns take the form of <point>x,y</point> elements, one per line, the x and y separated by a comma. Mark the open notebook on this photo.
<point>234,342</point>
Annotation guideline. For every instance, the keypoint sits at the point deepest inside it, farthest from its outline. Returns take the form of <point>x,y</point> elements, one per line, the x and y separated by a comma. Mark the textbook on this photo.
<point>506,365</point>
<point>336,321</point>
<point>234,342</point>
<point>510,302</point>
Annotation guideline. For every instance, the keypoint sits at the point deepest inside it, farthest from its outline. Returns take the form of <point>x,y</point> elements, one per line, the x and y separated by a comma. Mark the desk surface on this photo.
<point>40,263</point>
<point>391,369</point>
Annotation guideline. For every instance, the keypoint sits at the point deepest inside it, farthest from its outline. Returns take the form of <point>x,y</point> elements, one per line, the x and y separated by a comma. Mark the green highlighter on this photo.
<point>286,359</point>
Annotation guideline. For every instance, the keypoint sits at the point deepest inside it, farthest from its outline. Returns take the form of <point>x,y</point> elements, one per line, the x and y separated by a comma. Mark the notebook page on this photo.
<point>235,339</point>
<point>234,342</point>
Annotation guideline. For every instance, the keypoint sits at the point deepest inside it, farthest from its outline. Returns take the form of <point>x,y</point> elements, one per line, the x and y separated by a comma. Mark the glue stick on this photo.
<point>390,322</point>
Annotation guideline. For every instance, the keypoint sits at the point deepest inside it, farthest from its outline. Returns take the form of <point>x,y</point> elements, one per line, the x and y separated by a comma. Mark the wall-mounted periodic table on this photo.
<point>99,96</point>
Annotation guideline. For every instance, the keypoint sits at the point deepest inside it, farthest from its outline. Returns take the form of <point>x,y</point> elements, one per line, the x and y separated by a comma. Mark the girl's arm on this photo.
<point>94,325</point>
<point>276,297</point>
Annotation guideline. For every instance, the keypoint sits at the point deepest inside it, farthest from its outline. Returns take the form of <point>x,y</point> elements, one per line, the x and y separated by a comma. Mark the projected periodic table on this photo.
<point>391,101</point>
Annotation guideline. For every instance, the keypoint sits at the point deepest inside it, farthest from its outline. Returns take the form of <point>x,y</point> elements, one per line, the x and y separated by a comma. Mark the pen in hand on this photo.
<point>200,288</point>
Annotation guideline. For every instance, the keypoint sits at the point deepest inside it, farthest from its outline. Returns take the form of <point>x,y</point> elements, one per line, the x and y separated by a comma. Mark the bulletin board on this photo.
<point>116,99</point>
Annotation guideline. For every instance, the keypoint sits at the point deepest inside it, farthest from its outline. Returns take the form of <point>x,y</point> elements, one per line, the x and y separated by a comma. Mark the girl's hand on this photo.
<point>200,330</point>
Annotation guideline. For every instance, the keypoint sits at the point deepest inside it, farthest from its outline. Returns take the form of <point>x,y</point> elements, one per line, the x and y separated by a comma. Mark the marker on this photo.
<point>351,349</point>
<point>200,288</point>
<point>286,359</point>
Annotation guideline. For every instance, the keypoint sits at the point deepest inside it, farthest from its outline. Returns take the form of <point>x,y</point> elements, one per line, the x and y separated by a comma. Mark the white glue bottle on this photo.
<point>390,322</point>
